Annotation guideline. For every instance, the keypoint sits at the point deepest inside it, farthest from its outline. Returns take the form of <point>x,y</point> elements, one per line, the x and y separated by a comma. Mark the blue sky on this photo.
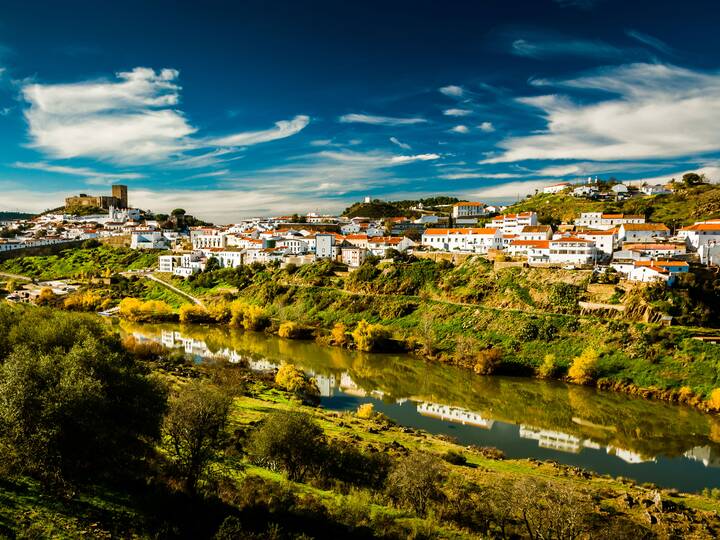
<point>232,109</point>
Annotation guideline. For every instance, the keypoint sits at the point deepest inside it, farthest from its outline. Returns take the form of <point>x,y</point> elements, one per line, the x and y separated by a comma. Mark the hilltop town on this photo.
<point>629,245</point>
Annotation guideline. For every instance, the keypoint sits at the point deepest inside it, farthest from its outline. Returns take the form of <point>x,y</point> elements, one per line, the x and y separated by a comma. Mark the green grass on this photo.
<point>76,261</point>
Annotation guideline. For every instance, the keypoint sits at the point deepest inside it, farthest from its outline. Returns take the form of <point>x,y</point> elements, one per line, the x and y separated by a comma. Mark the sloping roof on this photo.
<point>702,227</point>
<point>467,203</point>
<point>622,216</point>
<point>662,264</point>
<point>531,243</point>
<point>591,232</point>
<point>536,228</point>
<point>571,239</point>
<point>644,227</point>
<point>639,246</point>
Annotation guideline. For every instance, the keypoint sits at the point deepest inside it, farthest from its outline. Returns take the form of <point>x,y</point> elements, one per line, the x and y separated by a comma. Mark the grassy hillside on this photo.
<point>73,262</point>
<point>6,216</point>
<point>380,209</point>
<point>683,207</point>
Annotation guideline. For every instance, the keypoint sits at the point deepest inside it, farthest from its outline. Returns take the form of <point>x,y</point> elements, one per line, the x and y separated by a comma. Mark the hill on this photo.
<point>380,209</point>
<point>8,216</point>
<point>683,207</point>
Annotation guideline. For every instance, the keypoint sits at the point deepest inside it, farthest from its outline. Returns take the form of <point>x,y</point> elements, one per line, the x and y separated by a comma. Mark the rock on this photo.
<point>626,500</point>
<point>652,520</point>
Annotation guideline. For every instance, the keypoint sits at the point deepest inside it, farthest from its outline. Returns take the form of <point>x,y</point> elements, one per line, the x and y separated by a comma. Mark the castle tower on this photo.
<point>120,192</point>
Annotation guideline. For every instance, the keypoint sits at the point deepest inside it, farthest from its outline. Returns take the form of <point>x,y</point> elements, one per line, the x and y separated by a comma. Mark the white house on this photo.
<point>146,239</point>
<point>653,249</point>
<point>556,188</point>
<point>605,241</point>
<point>535,232</point>
<point>353,256</point>
<point>537,251</point>
<point>584,191</point>
<point>477,240</point>
<point>469,209</point>
<point>214,239</point>
<point>701,233</point>
<point>572,250</point>
<point>651,271</point>
<point>514,223</point>
<point>599,220</point>
<point>642,232</point>
<point>620,189</point>
<point>655,190</point>
<point>295,246</point>
<point>168,263</point>
<point>379,244</point>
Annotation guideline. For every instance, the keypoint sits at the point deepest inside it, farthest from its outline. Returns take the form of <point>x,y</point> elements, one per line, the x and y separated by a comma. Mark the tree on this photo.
<point>195,424</point>
<point>213,263</point>
<point>692,179</point>
<point>76,413</point>
<point>288,441</point>
<point>338,334</point>
<point>417,481</point>
<point>178,212</point>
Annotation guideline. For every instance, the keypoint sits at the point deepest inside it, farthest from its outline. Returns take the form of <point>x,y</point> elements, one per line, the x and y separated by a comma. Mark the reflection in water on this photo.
<point>606,432</point>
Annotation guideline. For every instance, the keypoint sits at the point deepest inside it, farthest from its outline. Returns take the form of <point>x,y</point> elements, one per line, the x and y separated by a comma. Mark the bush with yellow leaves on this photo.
<point>291,378</point>
<point>370,337</point>
<point>584,367</point>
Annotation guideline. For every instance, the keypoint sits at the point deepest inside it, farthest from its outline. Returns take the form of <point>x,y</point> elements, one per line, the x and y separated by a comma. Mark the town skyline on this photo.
<point>269,111</point>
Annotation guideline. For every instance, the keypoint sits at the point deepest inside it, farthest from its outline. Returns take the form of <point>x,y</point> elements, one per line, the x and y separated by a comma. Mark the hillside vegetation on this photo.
<point>683,207</point>
<point>131,440</point>
<point>380,209</point>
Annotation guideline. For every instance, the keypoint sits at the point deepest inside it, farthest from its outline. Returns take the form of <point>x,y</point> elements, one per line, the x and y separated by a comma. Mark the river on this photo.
<point>609,433</point>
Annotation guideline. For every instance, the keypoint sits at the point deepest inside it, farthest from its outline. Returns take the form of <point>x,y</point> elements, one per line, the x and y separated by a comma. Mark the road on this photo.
<point>174,289</point>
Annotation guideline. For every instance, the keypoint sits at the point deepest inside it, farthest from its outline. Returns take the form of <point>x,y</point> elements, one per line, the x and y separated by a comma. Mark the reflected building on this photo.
<point>707,455</point>
<point>628,456</point>
<point>553,440</point>
<point>454,414</point>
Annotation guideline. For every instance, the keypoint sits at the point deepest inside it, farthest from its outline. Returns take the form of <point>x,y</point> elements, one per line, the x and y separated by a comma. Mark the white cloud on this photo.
<point>417,157</point>
<point>473,175</point>
<point>379,120</point>
<point>651,41</point>
<point>655,111</point>
<point>282,129</point>
<point>510,190</point>
<point>457,112</point>
<point>452,90</point>
<point>129,119</point>
<point>711,172</point>
<point>487,127</point>
<point>397,142</point>
<point>84,172</point>
<point>460,129</point>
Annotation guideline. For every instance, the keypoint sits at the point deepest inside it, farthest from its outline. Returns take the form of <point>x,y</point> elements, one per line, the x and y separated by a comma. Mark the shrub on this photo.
<point>584,367</point>
<point>714,401</point>
<point>192,313</point>
<point>290,330</point>
<point>487,361</point>
<point>294,380</point>
<point>288,441</point>
<point>339,335</point>
<point>346,462</point>
<point>370,337</point>
<point>365,411</point>
<point>247,316</point>
<point>549,368</point>
<point>139,311</point>
<point>455,458</point>
<point>82,301</point>
<point>46,297</point>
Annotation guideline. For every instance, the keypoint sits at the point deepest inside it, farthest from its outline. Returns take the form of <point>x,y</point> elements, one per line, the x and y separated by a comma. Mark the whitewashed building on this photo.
<point>701,233</point>
<point>476,240</point>
<point>599,220</point>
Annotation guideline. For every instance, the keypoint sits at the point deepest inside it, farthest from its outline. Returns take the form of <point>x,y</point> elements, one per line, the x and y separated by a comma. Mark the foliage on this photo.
<point>365,411</point>
<point>192,313</point>
<point>194,425</point>
<point>549,368</point>
<point>487,361</point>
<point>294,380</point>
<point>338,335</point>
<point>248,316</point>
<point>584,367</point>
<point>714,401</point>
<point>136,310</point>
<point>370,337</point>
<point>291,330</point>
<point>73,404</point>
<point>288,441</point>
<point>416,481</point>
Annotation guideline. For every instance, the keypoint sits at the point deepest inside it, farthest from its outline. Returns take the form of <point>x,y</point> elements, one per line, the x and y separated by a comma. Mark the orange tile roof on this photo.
<point>663,264</point>
<point>609,232</point>
<point>536,228</point>
<point>469,204</point>
<point>531,243</point>
<point>636,246</point>
<point>568,239</point>
<point>702,227</point>
<point>644,227</point>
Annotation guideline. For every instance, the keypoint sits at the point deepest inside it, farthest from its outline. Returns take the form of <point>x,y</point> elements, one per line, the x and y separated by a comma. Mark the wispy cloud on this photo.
<point>651,41</point>
<point>487,127</point>
<point>460,129</point>
<point>452,90</point>
<point>653,111</point>
<point>399,144</point>
<point>478,175</point>
<point>379,120</point>
<point>549,48</point>
<point>83,172</point>
<point>457,112</point>
<point>133,118</point>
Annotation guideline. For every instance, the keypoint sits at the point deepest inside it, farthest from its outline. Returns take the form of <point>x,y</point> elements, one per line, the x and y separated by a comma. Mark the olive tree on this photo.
<point>416,481</point>
<point>195,425</point>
